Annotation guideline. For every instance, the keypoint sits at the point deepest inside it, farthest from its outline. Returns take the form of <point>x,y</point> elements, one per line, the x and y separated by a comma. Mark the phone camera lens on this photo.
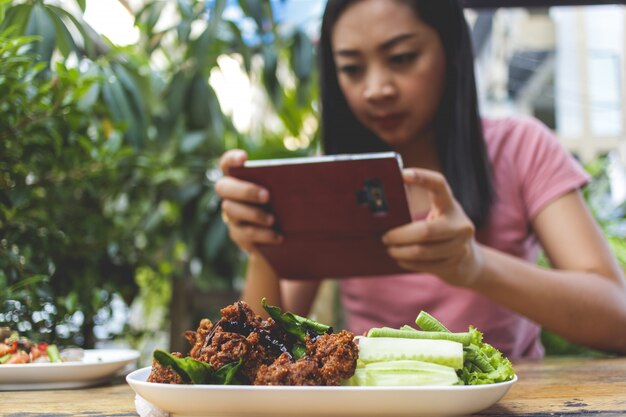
<point>373,195</point>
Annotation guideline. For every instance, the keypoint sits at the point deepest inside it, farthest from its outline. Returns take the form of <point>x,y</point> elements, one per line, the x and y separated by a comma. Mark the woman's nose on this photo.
<point>379,86</point>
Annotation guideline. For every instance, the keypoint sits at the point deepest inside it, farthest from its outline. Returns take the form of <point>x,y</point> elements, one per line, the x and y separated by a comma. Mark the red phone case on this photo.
<point>331,215</point>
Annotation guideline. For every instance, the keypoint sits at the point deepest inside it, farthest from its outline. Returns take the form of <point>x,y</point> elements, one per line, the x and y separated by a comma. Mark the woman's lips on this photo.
<point>388,121</point>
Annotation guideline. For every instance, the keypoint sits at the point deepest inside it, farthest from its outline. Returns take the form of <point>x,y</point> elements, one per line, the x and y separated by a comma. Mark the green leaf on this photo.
<point>289,114</point>
<point>214,239</point>
<point>17,17</point>
<point>120,107</point>
<point>197,103</point>
<point>253,9</point>
<point>188,192</point>
<point>88,44</point>
<point>40,24</point>
<point>64,39</point>
<point>205,49</point>
<point>3,7</point>
<point>302,59</point>
<point>82,4</point>
<point>298,351</point>
<point>112,95</point>
<point>241,46</point>
<point>270,64</point>
<point>27,282</point>
<point>70,302</point>
<point>185,8</point>
<point>176,94</point>
<point>198,372</point>
<point>287,321</point>
<point>294,324</point>
<point>192,140</point>
<point>226,374</point>
<point>131,84</point>
<point>183,31</point>
<point>148,16</point>
<point>189,369</point>
<point>174,100</point>
<point>217,117</point>
<point>90,97</point>
<point>216,16</point>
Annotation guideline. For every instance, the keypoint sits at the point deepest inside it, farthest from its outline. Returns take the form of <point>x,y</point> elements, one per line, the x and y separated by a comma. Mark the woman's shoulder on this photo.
<point>526,152</point>
<point>514,128</point>
<point>518,136</point>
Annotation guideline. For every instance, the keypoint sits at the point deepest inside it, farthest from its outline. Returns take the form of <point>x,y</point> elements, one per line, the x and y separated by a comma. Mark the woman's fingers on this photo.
<point>443,243</point>
<point>427,231</point>
<point>436,185</point>
<point>246,213</point>
<point>439,267</point>
<point>232,158</point>
<point>235,189</point>
<point>230,188</point>
<point>248,224</point>
<point>247,235</point>
<point>428,252</point>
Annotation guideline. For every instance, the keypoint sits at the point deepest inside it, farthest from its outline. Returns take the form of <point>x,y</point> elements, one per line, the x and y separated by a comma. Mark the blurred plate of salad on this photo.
<point>28,365</point>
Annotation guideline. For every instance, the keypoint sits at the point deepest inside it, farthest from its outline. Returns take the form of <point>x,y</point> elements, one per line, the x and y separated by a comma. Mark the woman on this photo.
<point>484,194</point>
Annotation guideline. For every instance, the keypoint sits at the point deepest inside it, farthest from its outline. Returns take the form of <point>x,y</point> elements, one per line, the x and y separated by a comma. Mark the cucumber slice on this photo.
<point>382,349</point>
<point>404,373</point>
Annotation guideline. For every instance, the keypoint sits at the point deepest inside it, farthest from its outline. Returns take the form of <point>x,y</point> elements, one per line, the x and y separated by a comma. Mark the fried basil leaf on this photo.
<point>197,372</point>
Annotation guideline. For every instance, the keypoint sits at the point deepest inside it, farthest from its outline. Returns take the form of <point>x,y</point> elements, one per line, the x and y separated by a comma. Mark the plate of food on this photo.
<point>308,401</point>
<point>243,365</point>
<point>26,365</point>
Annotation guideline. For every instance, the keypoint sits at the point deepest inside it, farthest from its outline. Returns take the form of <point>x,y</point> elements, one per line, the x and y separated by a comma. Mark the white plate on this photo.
<point>265,401</point>
<point>97,366</point>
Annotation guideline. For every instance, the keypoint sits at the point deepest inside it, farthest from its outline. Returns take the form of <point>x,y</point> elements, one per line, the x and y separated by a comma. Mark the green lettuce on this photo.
<point>482,363</point>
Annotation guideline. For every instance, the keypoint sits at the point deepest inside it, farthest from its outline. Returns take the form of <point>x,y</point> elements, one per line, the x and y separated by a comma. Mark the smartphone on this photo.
<point>332,212</point>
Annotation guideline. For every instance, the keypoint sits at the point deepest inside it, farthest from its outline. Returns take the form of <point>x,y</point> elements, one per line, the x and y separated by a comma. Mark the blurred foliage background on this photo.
<point>108,160</point>
<point>109,223</point>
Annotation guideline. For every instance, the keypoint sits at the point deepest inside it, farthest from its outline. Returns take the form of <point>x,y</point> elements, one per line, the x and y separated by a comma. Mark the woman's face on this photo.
<point>390,67</point>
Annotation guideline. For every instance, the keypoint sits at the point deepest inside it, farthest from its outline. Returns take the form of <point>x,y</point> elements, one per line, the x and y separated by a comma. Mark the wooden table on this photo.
<point>552,387</point>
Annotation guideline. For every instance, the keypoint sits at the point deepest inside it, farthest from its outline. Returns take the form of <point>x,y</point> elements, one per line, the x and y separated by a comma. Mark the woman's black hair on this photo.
<point>458,129</point>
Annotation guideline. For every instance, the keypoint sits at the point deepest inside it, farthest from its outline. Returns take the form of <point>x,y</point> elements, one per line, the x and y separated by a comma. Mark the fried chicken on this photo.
<point>336,356</point>
<point>284,371</point>
<point>265,350</point>
<point>165,374</point>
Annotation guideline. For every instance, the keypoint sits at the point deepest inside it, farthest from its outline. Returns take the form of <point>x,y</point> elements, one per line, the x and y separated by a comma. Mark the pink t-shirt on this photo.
<point>530,169</point>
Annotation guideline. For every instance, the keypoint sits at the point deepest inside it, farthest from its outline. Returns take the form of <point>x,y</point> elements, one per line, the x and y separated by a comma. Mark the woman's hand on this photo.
<point>443,243</point>
<point>248,224</point>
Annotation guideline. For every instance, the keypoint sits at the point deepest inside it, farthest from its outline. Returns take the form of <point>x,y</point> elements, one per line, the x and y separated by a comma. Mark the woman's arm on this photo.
<point>249,225</point>
<point>584,298</point>
<point>298,296</point>
<point>261,281</point>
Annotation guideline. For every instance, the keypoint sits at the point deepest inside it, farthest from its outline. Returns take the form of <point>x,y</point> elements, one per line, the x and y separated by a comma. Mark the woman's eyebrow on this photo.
<point>346,52</point>
<point>396,40</point>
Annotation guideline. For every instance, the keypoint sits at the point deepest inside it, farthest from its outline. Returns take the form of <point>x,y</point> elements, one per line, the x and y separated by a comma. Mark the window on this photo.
<point>563,65</point>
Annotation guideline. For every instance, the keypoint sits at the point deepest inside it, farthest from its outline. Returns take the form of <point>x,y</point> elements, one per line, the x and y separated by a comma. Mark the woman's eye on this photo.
<point>350,69</point>
<point>401,59</point>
